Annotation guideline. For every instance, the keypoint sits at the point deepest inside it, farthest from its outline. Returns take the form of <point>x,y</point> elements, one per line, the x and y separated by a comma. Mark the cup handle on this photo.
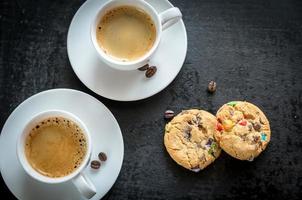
<point>84,185</point>
<point>169,17</point>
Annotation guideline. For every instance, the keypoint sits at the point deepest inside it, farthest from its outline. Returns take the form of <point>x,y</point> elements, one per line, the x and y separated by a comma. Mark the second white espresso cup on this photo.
<point>78,177</point>
<point>162,21</point>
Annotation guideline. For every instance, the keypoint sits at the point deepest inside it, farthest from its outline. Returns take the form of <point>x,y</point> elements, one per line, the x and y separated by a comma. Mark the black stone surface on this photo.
<point>251,48</point>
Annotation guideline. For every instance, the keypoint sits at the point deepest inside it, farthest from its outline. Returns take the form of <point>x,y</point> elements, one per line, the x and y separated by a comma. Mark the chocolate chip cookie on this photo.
<point>243,131</point>
<point>189,139</point>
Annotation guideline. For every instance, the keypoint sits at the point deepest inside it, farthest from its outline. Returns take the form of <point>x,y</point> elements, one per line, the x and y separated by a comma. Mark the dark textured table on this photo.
<point>253,49</point>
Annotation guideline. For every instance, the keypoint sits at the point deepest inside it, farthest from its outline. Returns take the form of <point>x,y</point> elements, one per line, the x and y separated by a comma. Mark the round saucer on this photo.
<point>124,85</point>
<point>105,134</point>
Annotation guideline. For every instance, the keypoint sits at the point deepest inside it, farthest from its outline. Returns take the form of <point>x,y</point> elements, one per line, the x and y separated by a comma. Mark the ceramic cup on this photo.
<point>79,179</point>
<point>162,21</point>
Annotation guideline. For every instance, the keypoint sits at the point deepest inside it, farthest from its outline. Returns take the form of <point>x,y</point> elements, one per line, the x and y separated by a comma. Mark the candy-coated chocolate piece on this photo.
<point>232,103</point>
<point>219,127</point>
<point>263,136</point>
<point>243,123</point>
<point>228,124</point>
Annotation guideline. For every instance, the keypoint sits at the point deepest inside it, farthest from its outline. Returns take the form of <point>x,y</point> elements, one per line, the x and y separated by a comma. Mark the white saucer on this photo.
<point>105,134</point>
<point>124,85</point>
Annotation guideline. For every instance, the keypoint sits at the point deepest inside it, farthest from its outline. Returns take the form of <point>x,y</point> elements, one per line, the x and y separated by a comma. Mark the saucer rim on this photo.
<point>16,109</point>
<point>110,97</point>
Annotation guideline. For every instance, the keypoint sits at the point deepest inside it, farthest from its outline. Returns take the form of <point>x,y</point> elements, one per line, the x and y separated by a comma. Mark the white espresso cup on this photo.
<point>78,178</point>
<point>162,21</point>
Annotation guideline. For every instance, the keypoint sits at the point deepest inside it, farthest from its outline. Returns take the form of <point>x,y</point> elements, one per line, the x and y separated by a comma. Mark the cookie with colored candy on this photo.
<point>243,131</point>
<point>189,139</point>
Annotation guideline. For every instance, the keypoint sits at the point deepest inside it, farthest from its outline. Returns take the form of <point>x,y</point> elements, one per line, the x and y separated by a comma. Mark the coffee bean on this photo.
<point>212,87</point>
<point>150,71</point>
<point>257,126</point>
<point>95,164</point>
<point>102,156</point>
<point>144,68</point>
<point>169,114</point>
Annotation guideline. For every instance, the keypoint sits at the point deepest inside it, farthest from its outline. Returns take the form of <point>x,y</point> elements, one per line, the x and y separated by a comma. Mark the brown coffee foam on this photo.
<point>126,33</point>
<point>55,147</point>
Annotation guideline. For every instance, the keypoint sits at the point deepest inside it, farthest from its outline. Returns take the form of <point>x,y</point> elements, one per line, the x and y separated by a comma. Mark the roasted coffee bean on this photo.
<point>144,68</point>
<point>169,114</point>
<point>150,71</point>
<point>95,164</point>
<point>257,126</point>
<point>102,156</point>
<point>212,87</point>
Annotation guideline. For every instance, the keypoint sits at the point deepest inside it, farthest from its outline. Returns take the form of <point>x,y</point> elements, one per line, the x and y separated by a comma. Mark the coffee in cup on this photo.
<point>55,147</point>
<point>126,33</point>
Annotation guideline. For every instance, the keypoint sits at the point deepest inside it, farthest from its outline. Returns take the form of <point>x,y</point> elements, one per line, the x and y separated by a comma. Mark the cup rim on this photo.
<point>21,153</point>
<point>155,17</point>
